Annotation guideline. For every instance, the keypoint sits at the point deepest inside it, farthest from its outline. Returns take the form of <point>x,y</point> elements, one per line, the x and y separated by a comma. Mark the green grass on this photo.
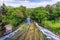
<point>23,27</point>
<point>54,26</point>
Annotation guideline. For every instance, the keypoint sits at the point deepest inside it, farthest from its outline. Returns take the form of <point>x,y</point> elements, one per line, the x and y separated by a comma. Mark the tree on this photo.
<point>39,14</point>
<point>4,9</point>
<point>51,12</point>
<point>20,14</point>
<point>58,8</point>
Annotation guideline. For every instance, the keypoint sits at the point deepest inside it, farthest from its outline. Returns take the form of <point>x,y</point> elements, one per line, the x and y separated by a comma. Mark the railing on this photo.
<point>49,34</point>
<point>11,34</point>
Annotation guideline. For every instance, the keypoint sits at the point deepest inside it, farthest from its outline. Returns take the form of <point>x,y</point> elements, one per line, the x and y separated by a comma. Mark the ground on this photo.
<point>32,34</point>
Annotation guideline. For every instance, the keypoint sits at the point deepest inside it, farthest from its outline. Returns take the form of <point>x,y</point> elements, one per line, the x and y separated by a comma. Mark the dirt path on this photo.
<point>32,34</point>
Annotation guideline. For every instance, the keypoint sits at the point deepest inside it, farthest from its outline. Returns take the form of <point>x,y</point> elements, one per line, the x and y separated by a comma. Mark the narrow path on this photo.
<point>23,36</point>
<point>26,32</point>
<point>20,34</point>
<point>32,34</point>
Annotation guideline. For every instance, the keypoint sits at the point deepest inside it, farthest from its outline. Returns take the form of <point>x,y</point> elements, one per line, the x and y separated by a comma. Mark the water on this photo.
<point>49,34</point>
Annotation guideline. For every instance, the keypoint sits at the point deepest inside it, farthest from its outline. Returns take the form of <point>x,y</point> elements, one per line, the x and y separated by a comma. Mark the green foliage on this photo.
<point>39,14</point>
<point>53,26</point>
<point>48,16</point>
<point>12,15</point>
<point>24,27</point>
<point>4,18</point>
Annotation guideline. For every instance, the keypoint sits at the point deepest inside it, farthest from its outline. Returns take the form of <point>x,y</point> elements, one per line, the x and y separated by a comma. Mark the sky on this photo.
<point>28,3</point>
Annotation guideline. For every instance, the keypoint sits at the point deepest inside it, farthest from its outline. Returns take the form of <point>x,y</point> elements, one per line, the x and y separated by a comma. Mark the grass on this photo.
<point>23,27</point>
<point>54,26</point>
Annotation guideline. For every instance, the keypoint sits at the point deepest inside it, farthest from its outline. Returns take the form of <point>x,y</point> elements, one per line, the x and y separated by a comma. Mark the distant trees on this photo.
<point>14,16</point>
<point>39,14</point>
<point>54,11</point>
<point>50,8</point>
<point>50,12</point>
<point>58,8</point>
<point>18,14</point>
<point>4,9</point>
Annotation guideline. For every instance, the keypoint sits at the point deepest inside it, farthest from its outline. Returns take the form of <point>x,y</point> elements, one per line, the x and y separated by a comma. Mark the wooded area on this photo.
<point>48,17</point>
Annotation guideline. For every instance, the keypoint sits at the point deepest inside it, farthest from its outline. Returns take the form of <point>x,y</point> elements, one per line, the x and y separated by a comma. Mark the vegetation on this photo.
<point>48,17</point>
<point>24,27</point>
<point>12,15</point>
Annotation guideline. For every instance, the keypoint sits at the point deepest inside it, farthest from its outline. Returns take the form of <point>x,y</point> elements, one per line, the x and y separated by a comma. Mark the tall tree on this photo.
<point>4,9</point>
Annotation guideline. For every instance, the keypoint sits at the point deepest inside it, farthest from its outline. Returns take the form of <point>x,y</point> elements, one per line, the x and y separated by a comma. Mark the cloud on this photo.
<point>38,0</point>
<point>1,2</point>
<point>27,3</point>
